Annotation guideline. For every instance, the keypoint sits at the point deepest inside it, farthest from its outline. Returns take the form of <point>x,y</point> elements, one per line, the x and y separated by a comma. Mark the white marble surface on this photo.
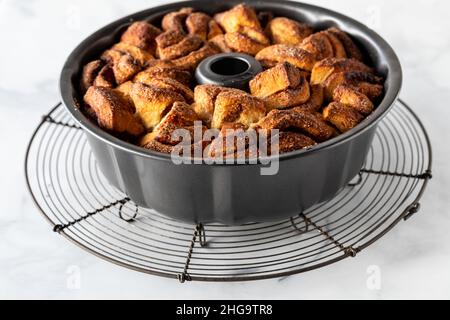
<point>37,35</point>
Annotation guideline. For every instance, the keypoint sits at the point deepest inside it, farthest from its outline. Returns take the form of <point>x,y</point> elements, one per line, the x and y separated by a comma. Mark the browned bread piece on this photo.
<point>326,67</point>
<point>364,82</point>
<point>291,141</point>
<point>246,40</point>
<point>202,25</point>
<point>176,20</point>
<point>297,119</point>
<point>180,116</point>
<point>341,116</point>
<point>324,45</point>
<point>232,143</point>
<point>89,73</point>
<point>281,77</point>
<point>238,16</point>
<point>173,44</point>
<point>286,31</point>
<point>141,34</point>
<point>296,56</point>
<point>205,96</point>
<point>316,98</point>
<point>351,50</point>
<point>191,61</point>
<point>236,106</point>
<point>152,103</point>
<point>141,56</point>
<point>282,86</point>
<point>166,69</point>
<point>166,83</point>
<point>220,43</point>
<point>113,111</point>
<point>149,142</point>
<point>354,99</point>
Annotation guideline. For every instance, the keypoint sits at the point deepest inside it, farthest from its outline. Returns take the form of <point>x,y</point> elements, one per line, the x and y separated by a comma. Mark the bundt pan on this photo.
<point>238,193</point>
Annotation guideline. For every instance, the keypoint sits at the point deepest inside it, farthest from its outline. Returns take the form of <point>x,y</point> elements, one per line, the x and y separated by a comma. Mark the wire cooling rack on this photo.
<point>82,206</point>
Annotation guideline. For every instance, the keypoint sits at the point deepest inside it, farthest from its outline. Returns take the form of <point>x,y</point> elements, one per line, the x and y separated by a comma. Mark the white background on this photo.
<point>35,38</point>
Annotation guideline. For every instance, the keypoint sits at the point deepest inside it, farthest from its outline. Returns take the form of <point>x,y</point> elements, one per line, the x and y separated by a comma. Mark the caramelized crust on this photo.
<point>246,40</point>
<point>351,50</point>
<point>176,20</point>
<point>297,119</point>
<point>125,90</point>
<point>181,116</point>
<point>289,97</point>
<point>232,143</point>
<point>286,31</point>
<point>105,78</point>
<point>238,16</point>
<point>296,56</point>
<point>142,57</point>
<point>220,43</point>
<point>316,98</point>
<point>123,65</point>
<point>166,69</point>
<point>342,117</point>
<point>233,105</point>
<point>291,141</point>
<point>166,83</point>
<point>282,76</point>
<point>202,25</point>
<point>152,103</point>
<point>325,68</point>
<point>191,61</point>
<point>148,142</point>
<point>173,44</point>
<point>90,72</point>
<point>319,45</point>
<point>205,96</point>
<point>113,111</point>
<point>353,99</point>
<point>141,34</point>
<point>364,82</point>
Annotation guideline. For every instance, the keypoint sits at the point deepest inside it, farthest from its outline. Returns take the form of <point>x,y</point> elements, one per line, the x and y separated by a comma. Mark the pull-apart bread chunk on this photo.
<point>280,87</point>
<point>113,111</point>
<point>141,34</point>
<point>152,103</point>
<point>174,44</point>
<point>296,56</point>
<point>203,26</point>
<point>243,31</point>
<point>324,45</point>
<point>218,105</point>
<point>166,69</point>
<point>341,116</point>
<point>286,31</point>
<point>192,60</point>
<point>353,99</point>
<point>351,50</point>
<point>298,119</point>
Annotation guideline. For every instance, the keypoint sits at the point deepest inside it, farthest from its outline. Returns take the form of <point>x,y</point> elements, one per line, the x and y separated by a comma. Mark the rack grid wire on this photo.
<point>79,203</point>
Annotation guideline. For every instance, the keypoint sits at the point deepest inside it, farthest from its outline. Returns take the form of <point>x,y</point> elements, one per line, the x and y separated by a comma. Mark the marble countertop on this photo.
<point>37,35</point>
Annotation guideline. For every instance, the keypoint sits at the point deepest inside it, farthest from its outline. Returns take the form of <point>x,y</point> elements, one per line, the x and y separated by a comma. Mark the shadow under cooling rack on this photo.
<point>79,203</point>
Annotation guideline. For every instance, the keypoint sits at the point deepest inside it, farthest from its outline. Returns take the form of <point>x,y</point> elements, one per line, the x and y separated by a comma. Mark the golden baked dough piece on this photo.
<point>246,40</point>
<point>280,87</point>
<point>341,116</point>
<point>236,106</point>
<point>176,20</point>
<point>364,82</point>
<point>141,34</point>
<point>238,16</point>
<point>153,103</point>
<point>191,61</point>
<point>202,25</point>
<point>167,83</point>
<point>353,99</point>
<point>220,43</point>
<point>291,141</point>
<point>180,116</point>
<point>324,45</point>
<point>125,90</point>
<point>297,119</point>
<point>105,78</point>
<point>205,96</point>
<point>174,44</point>
<point>90,73</point>
<point>296,56</point>
<point>113,111</point>
<point>351,50</point>
<point>148,142</point>
<point>166,69</point>
<point>316,98</point>
<point>286,31</point>
<point>326,67</point>
<point>141,56</point>
<point>233,142</point>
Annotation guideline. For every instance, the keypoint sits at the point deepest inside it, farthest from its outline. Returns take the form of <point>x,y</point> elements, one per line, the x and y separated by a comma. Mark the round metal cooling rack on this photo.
<point>79,203</point>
